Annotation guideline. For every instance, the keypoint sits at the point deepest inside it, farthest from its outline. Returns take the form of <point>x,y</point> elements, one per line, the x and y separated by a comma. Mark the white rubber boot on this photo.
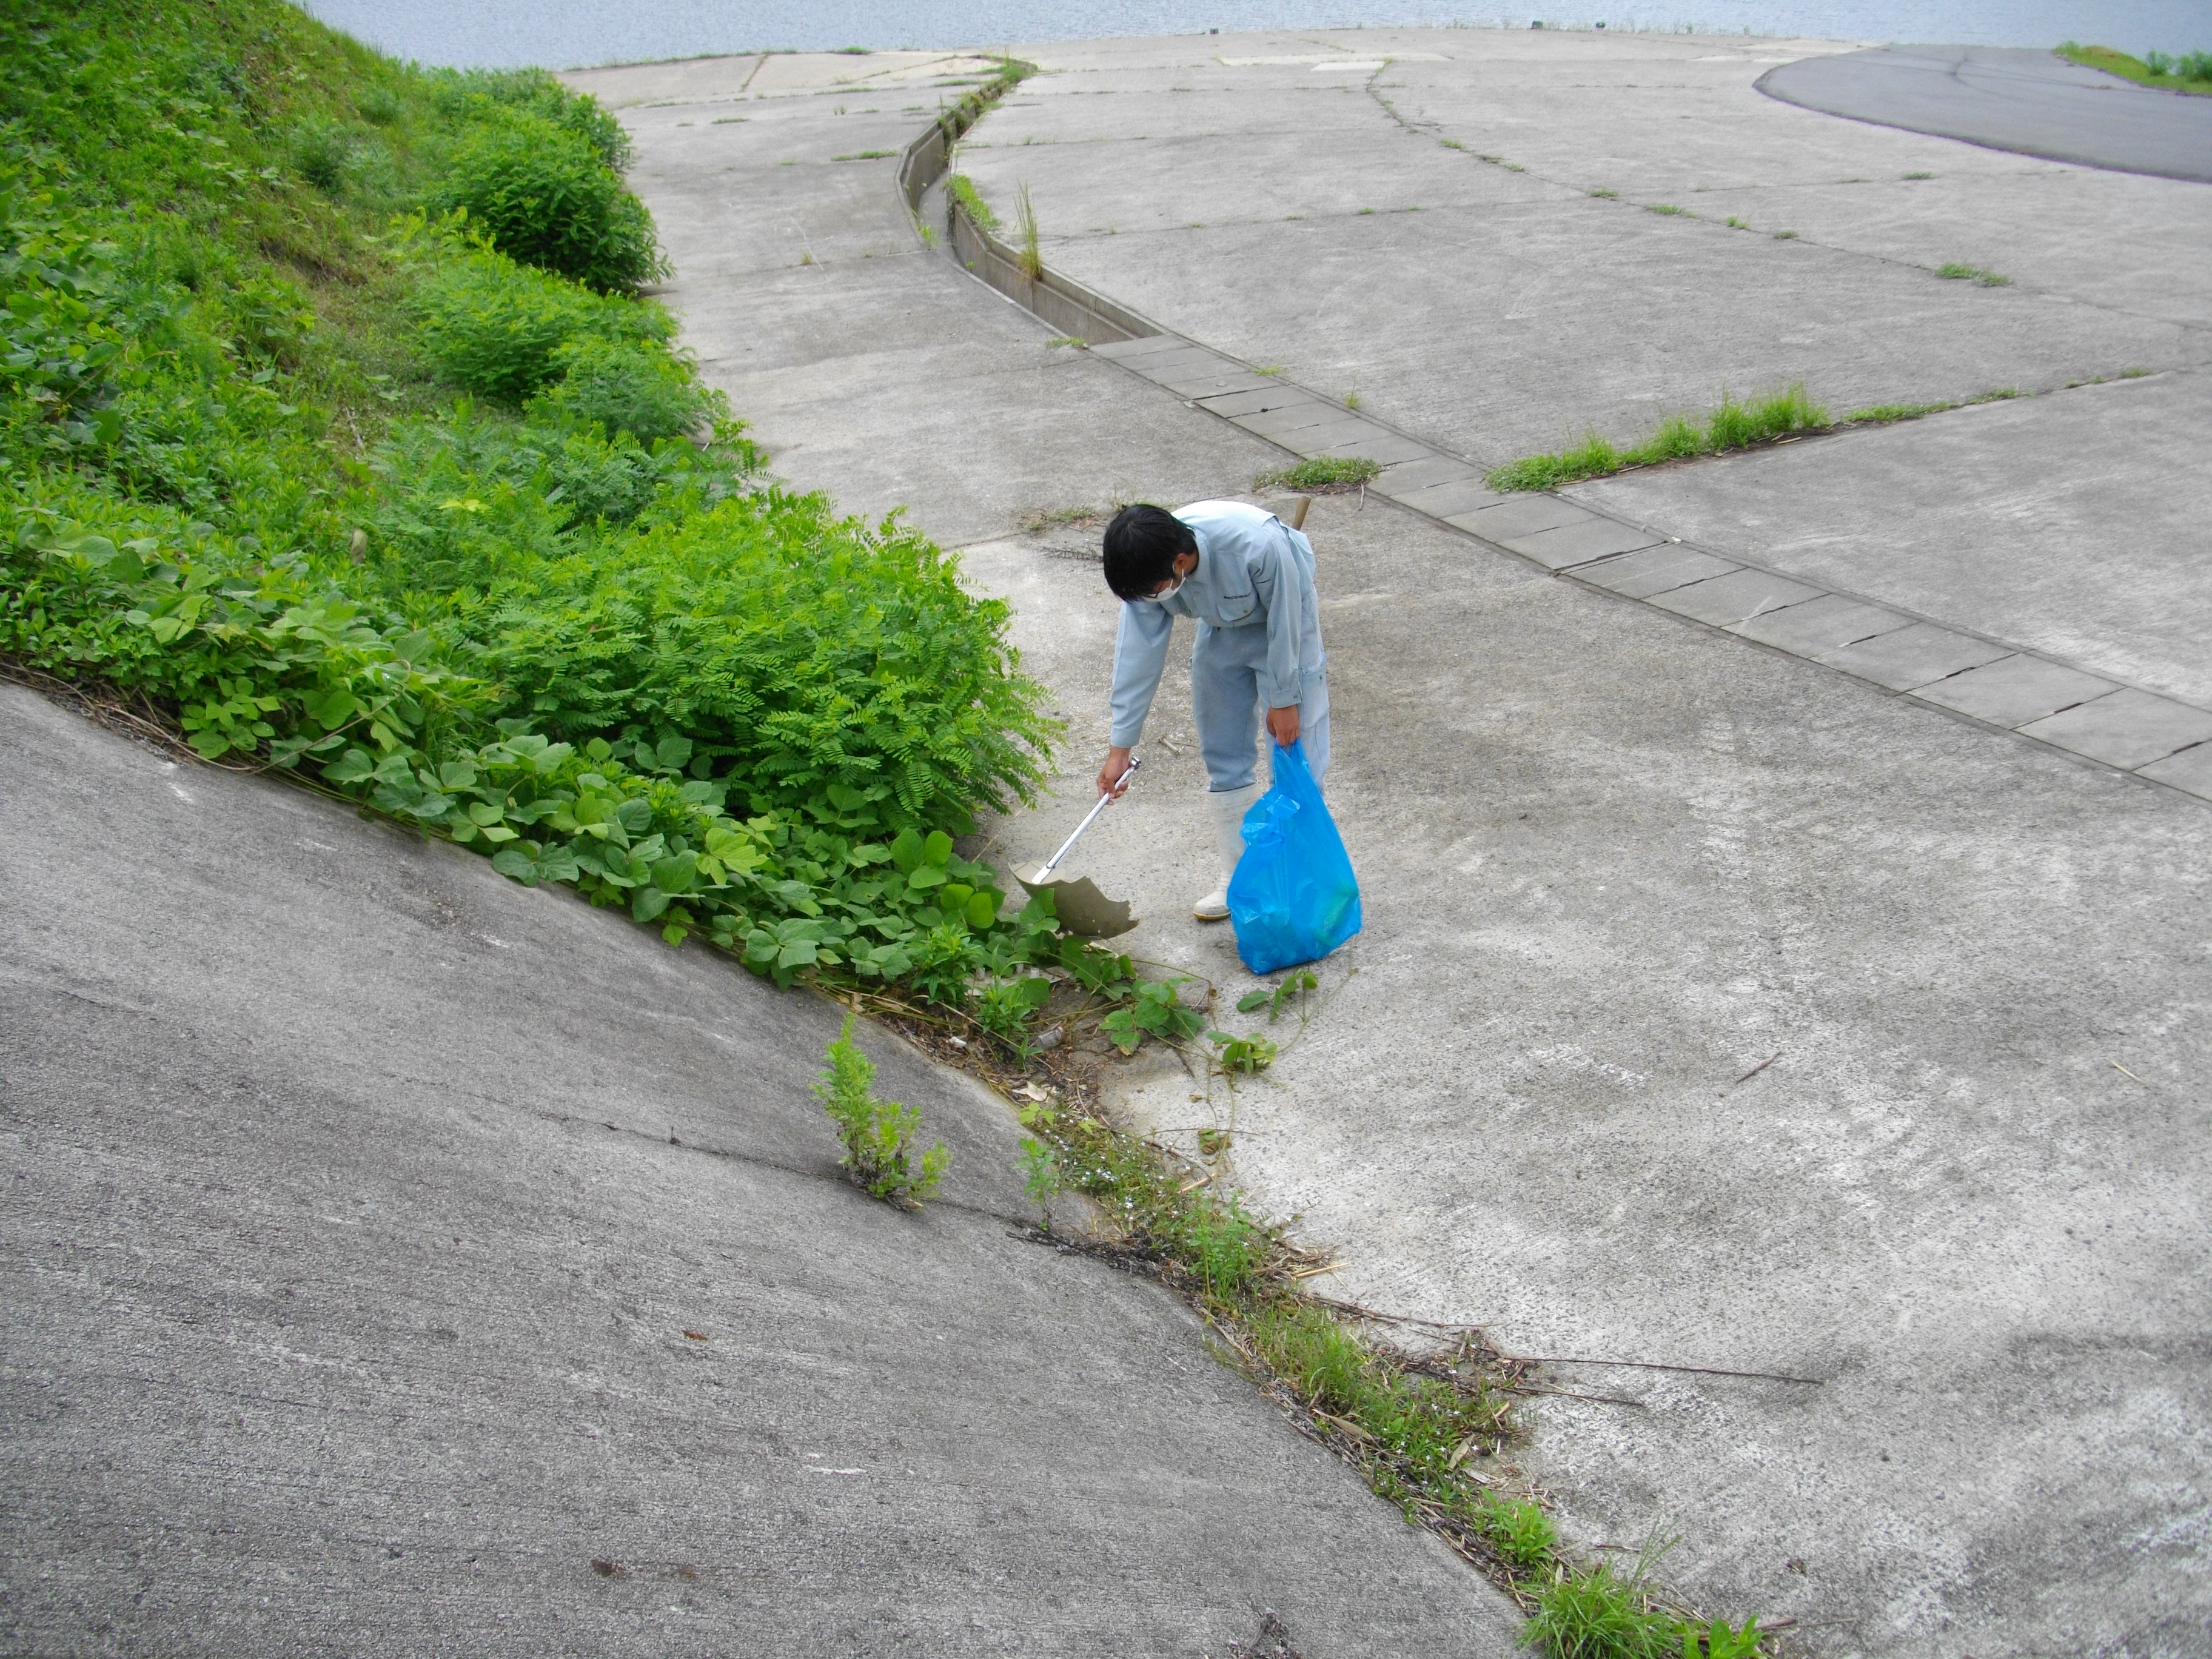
<point>1227,807</point>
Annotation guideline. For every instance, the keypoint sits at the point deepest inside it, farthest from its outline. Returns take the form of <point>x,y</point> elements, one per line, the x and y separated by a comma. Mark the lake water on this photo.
<point>575,34</point>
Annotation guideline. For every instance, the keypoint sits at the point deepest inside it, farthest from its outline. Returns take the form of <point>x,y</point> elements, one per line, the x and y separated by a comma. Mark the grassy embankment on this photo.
<point>338,442</point>
<point>2191,72</point>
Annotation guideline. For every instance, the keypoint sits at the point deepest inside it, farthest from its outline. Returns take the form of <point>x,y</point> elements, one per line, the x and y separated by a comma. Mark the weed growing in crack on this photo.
<point>1978,274</point>
<point>1731,425</point>
<point>1606,195</point>
<point>1735,224</point>
<point>879,1135</point>
<point>1785,235</point>
<point>1323,474</point>
<point>1668,209</point>
<point>962,190</point>
<point>1027,254</point>
<point>1248,1054</point>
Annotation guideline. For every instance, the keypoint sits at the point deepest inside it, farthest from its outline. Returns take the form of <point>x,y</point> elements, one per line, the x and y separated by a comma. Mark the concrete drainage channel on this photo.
<point>2088,717</point>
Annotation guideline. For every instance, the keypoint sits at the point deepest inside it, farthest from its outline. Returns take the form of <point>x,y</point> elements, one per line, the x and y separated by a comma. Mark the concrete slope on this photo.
<point>399,1261</point>
<point>1612,863</point>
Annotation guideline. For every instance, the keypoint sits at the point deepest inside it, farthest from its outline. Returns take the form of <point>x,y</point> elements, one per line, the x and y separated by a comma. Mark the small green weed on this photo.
<point>1351,400</point>
<point>1731,425</point>
<point>1669,207</point>
<point>1154,1010</point>
<point>1076,341</point>
<point>2133,374</point>
<point>1518,1530</point>
<point>1980,276</point>
<point>1606,195</point>
<point>1249,1055</point>
<point>1996,395</point>
<point>879,1135</point>
<point>1323,474</point>
<point>1451,143</point>
<point>727,120</point>
<point>865,155</point>
<point>1266,368</point>
<point>1300,983</point>
<point>1785,235</point>
<point>1920,175</point>
<point>1735,224</point>
<point>1364,211</point>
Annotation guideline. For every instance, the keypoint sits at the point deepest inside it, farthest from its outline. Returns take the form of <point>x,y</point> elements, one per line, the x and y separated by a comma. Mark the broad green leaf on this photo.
<point>938,850</point>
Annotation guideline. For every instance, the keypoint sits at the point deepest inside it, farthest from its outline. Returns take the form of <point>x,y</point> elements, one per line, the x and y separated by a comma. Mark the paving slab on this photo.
<point>1638,575</point>
<point>1571,544</point>
<point>1439,501</point>
<point>1525,515</point>
<point>1911,656</point>
<point>1821,624</point>
<point>2125,728</point>
<point>2190,770</point>
<point>1724,601</point>
<point>1432,472</point>
<point>2013,690</point>
<point>1256,401</point>
<point>1373,443</point>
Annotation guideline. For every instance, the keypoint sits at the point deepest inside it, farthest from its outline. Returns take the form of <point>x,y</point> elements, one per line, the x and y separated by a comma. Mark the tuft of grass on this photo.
<point>1027,254</point>
<point>1669,209</point>
<point>1351,400</point>
<point>1978,274</point>
<point>865,155</point>
<point>1920,175</point>
<point>1364,211</point>
<point>1736,223</point>
<point>2133,374</point>
<point>1731,425</point>
<point>881,1155</point>
<point>727,120</point>
<point>969,200</point>
<point>1785,235</point>
<point>1075,341</point>
<point>1596,1615</point>
<point>2192,72</point>
<point>1323,474</point>
<point>1996,395</point>
<point>1451,143</point>
<point>1052,517</point>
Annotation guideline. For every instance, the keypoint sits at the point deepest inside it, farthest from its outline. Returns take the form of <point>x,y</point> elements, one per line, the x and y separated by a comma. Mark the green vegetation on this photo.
<point>1881,412</point>
<point>1323,474</point>
<point>1027,254</point>
<point>1919,175</point>
<point>865,155</point>
<point>1669,207</point>
<point>1974,274</point>
<point>879,1135</point>
<point>2191,72</point>
<point>970,202</point>
<point>1735,224</point>
<point>1606,195</point>
<point>425,510</point>
<point>1731,425</point>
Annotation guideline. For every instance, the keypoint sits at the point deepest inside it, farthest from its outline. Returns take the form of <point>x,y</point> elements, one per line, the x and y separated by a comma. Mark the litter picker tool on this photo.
<point>1079,905</point>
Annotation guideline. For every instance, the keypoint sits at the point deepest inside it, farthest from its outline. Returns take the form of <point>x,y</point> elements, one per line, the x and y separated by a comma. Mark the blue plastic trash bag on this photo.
<point>1293,898</point>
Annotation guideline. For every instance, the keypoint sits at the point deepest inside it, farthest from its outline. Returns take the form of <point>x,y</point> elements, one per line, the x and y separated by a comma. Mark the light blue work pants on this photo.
<point>1225,699</point>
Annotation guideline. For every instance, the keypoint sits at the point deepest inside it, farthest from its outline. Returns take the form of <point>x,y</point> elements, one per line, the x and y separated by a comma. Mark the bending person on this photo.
<point>1248,580</point>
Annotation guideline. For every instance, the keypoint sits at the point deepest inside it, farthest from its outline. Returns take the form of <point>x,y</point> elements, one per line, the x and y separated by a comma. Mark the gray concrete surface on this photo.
<point>2073,525</point>
<point>387,1243</point>
<point>1612,863</point>
<point>2008,98</point>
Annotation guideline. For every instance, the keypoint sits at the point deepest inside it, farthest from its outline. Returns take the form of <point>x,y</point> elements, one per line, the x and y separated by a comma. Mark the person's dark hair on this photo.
<point>1142,545</point>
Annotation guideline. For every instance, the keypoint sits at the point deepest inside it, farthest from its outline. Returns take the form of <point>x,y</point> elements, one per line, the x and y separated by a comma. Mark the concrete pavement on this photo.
<point>1614,863</point>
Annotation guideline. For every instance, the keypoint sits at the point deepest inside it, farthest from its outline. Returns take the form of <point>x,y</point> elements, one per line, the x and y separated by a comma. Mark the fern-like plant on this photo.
<point>879,1135</point>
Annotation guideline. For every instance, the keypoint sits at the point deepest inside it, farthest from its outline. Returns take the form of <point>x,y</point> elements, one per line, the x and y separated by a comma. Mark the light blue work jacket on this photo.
<point>1254,571</point>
